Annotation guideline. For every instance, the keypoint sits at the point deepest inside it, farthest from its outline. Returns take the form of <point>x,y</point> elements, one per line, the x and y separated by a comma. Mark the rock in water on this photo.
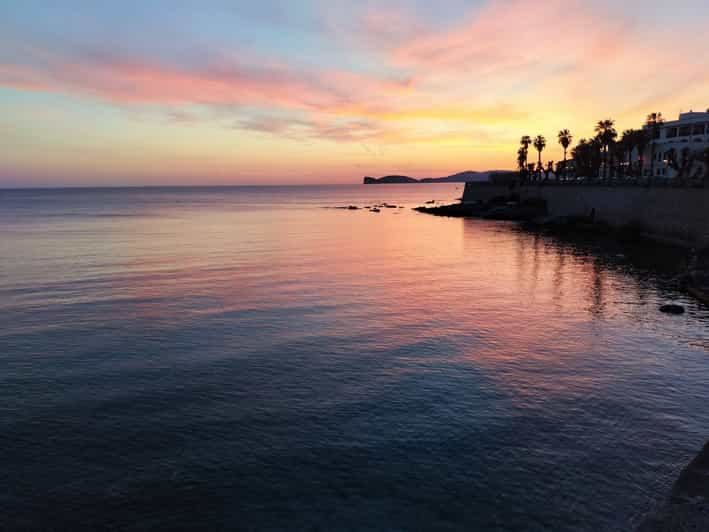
<point>688,506</point>
<point>672,309</point>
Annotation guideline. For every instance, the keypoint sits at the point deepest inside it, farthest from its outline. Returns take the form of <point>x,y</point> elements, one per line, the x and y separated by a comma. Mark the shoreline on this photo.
<point>533,215</point>
<point>687,507</point>
<point>674,213</point>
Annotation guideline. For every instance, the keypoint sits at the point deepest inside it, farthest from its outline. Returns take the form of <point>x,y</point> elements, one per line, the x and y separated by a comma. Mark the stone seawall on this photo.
<point>680,214</point>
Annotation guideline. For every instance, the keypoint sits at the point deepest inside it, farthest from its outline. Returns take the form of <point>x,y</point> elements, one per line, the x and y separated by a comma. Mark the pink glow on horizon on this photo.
<point>407,96</point>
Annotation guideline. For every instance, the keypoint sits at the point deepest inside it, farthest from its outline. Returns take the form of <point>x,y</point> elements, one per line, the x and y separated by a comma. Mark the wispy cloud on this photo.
<point>474,74</point>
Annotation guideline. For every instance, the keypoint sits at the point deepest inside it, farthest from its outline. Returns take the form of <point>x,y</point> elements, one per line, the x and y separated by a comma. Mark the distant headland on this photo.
<point>461,177</point>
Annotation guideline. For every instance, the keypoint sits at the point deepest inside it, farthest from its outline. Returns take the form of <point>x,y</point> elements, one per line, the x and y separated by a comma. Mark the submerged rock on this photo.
<point>672,309</point>
<point>454,210</point>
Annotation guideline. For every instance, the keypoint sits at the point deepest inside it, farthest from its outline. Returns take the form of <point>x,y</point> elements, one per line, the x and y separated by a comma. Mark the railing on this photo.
<point>647,181</point>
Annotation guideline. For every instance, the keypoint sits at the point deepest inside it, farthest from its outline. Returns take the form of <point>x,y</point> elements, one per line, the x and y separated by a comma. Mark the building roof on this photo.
<point>689,118</point>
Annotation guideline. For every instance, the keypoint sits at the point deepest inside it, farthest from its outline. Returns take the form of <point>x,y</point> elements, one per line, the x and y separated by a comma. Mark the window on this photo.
<point>671,132</point>
<point>685,130</point>
<point>698,129</point>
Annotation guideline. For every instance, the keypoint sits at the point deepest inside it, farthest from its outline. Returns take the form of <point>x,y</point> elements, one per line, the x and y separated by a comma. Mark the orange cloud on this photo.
<point>128,80</point>
<point>466,88</point>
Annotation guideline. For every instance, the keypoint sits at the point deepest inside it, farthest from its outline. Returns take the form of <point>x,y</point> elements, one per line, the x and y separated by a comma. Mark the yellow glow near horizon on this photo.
<point>421,98</point>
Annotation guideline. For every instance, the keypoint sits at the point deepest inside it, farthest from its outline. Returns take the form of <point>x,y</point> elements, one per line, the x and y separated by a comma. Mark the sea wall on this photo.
<point>680,214</point>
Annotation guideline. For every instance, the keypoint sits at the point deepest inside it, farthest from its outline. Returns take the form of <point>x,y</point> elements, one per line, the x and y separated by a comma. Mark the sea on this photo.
<point>256,358</point>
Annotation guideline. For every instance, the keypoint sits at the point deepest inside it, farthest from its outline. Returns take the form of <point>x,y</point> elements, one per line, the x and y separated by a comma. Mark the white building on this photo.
<point>675,144</point>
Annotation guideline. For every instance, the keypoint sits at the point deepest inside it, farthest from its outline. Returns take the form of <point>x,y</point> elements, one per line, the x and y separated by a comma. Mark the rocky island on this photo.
<point>389,180</point>
<point>461,177</point>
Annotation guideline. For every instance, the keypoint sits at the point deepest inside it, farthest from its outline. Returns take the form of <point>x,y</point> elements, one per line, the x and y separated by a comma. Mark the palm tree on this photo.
<point>606,134</point>
<point>596,155</point>
<point>525,141</point>
<point>653,123</point>
<point>521,159</point>
<point>539,144</point>
<point>580,157</point>
<point>565,139</point>
<point>627,141</point>
<point>641,142</point>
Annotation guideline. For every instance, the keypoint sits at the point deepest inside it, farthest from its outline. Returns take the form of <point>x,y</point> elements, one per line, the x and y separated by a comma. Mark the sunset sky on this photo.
<point>243,92</point>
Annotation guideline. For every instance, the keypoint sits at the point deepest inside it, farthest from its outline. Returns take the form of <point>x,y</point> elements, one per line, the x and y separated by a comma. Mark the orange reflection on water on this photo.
<point>532,312</point>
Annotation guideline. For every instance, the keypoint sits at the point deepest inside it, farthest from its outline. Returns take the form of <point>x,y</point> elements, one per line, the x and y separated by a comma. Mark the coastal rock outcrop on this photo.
<point>688,506</point>
<point>497,208</point>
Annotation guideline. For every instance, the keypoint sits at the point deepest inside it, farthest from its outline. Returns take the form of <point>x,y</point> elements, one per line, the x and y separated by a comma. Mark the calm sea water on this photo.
<point>246,359</point>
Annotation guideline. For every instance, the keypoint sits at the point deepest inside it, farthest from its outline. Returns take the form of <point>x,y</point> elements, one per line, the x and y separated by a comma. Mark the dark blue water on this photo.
<point>247,359</point>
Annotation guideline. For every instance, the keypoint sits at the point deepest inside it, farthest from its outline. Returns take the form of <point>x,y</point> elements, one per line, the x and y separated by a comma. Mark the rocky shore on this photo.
<point>498,208</point>
<point>687,508</point>
<point>533,212</point>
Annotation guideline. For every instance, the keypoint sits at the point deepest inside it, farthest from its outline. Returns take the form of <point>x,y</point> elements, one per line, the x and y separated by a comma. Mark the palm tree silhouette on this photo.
<point>580,156</point>
<point>653,123</point>
<point>539,144</point>
<point>641,141</point>
<point>525,141</point>
<point>629,141</point>
<point>565,139</point>
<point>521,159</point>
<point>606,134</point>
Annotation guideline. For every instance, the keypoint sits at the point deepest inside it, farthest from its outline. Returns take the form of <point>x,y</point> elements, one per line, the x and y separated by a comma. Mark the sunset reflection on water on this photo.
<point>280,353</point>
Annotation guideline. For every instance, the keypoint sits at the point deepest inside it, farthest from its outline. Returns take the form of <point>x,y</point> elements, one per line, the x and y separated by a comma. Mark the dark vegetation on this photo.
<point>610,157</point>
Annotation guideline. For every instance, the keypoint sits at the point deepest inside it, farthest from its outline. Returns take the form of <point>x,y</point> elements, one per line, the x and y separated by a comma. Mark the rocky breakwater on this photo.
<point>688,506</point>
<point>497,208</point>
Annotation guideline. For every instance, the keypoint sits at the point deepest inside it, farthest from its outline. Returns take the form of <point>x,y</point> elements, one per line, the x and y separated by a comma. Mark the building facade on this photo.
<point>678,147</point>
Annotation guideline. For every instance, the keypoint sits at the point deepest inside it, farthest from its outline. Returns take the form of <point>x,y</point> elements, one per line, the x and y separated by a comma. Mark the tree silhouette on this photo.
<point>539,144</point>
<point>606,134</point>
<point>524,142</point>
<point>653,123</point>
<point>521,160</point>
<point>627,145</point>
<point>565,139</point>
<point>641,141</point>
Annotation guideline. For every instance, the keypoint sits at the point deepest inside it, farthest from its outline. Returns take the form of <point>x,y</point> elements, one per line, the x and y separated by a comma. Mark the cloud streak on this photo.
<point>382,73</point>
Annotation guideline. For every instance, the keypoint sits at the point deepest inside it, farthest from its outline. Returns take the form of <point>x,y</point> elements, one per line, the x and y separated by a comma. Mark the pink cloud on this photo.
<point>128,80</point>
<point>511,64</point>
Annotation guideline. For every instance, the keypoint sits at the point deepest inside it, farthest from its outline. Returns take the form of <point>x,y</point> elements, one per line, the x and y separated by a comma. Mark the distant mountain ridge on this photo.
<point>389,179</point>
<point>460,177</point>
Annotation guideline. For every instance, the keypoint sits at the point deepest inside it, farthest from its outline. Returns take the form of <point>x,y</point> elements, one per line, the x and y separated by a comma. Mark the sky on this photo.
<point>215,92</point>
